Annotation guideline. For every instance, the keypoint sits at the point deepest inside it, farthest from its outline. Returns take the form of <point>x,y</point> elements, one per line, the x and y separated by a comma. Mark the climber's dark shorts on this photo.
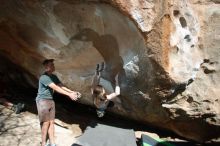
<point>101,112</point>
<point>46,110</point>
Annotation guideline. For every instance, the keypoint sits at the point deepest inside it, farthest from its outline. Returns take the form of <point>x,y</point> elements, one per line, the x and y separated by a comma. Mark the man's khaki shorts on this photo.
<point>46,110</point>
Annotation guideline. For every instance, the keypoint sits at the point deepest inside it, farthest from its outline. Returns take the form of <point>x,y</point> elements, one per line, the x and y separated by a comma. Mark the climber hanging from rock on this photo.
<point>102,99</point>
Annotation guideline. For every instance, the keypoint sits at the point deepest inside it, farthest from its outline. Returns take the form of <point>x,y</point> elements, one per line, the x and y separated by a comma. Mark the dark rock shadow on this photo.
<point>108,48</point>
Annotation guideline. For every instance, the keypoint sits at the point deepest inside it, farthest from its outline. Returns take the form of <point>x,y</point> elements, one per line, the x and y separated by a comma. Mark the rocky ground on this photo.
<point>24,130</point>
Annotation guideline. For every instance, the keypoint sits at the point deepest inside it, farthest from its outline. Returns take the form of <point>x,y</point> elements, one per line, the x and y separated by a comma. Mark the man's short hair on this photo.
<point>46,61</point>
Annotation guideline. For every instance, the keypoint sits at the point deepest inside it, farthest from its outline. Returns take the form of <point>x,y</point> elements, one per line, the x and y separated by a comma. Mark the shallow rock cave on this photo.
<point>160,51</point>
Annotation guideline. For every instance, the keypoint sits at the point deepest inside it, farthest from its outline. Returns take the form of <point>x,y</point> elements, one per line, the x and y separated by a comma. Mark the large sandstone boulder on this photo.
<point>166,53</point>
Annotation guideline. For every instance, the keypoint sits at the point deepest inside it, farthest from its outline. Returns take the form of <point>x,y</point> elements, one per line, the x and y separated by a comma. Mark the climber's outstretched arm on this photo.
<point>117,90</point>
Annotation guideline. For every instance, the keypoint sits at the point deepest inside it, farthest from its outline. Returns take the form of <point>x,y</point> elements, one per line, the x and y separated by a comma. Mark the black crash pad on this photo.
<point>97,134</point>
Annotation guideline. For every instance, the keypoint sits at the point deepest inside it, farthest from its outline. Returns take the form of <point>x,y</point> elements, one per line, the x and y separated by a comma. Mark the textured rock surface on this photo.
<point>166,51</point>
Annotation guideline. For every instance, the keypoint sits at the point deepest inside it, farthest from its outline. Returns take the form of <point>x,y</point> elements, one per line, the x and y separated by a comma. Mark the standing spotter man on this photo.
<point>48,83</point>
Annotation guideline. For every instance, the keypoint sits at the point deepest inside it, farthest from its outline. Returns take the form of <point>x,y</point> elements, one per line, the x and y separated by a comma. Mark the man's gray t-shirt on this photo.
<point>44,91</point>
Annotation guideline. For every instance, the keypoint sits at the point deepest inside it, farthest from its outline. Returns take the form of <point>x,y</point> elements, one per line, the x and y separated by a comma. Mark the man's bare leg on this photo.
<point>51,132</point>
<point>44,129</point>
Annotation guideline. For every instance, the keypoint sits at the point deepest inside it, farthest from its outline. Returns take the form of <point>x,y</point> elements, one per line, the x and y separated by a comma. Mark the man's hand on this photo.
<point>74,95</point>
<point>78,95</point>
